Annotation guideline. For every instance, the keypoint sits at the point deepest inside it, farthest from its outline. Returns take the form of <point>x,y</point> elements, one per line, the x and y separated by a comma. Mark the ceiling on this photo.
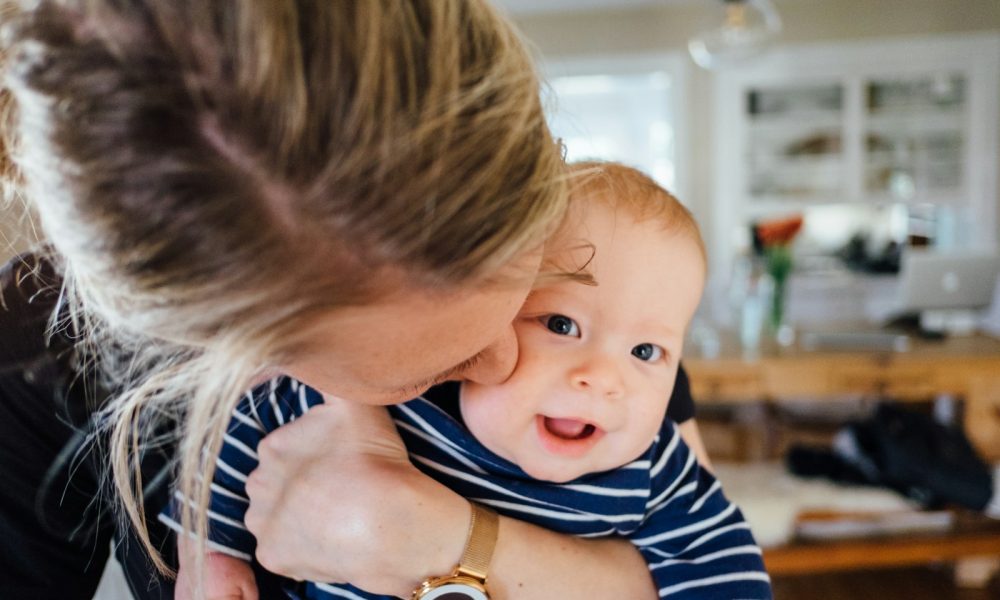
<point>536,7</point>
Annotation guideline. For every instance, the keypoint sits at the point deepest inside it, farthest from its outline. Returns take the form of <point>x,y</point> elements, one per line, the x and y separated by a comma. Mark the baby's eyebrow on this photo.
<point>548,279</point>
<point>554,269</point>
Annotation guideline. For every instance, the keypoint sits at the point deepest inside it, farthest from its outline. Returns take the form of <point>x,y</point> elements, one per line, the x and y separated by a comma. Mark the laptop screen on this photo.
<point>930,280</point>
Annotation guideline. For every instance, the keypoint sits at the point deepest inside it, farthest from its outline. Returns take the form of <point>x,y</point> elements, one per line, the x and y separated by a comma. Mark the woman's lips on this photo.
<point>567,437</point>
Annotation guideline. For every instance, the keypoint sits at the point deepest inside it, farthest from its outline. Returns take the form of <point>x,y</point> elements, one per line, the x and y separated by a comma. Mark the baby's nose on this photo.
<point>600,376</point>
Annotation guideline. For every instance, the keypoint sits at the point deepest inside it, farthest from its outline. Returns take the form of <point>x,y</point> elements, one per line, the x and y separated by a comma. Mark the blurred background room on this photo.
<point>841,157</point>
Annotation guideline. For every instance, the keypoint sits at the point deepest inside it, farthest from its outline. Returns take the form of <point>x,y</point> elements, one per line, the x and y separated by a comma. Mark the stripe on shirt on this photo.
<point>667,452</point>
<point>682,531</point>
<point>272,397</point>
<point>248,421</point>
<point>214,546</point>
<point>228,470</point>
<point>676,482</point>
<point>422,423</point>
<point>238,445</point>
<point>715,579</point>
<point>436,442</point>
<point>700,560</point>
<point>339,592</point>
<point>552,514</point>
<point>716,487</point>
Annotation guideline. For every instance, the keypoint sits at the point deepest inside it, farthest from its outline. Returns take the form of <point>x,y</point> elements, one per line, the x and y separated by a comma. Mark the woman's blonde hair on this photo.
<point>214,175</point>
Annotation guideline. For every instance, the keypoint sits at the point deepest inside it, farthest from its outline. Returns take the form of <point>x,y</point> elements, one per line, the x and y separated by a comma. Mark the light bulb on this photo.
<point>746,28</point>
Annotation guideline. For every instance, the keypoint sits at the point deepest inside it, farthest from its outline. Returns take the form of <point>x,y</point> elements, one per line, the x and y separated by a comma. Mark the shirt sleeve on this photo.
<point>681,406</point>
<point>257,414</point>
<point>696,542</point>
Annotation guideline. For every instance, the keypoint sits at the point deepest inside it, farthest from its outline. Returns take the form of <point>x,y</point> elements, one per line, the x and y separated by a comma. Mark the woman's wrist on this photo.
<point>533,563</point>
<point>529,562</point>
<point>441,524</point>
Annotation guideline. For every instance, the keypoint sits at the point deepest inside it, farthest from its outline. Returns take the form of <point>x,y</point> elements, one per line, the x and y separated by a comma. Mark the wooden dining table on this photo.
<point>966,369</point>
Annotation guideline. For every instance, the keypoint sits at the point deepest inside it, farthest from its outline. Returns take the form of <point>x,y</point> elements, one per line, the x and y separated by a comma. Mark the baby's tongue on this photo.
<point>565,428</point>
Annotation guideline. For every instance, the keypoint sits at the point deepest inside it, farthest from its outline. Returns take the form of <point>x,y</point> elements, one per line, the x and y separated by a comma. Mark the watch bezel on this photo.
<point>436,583</point>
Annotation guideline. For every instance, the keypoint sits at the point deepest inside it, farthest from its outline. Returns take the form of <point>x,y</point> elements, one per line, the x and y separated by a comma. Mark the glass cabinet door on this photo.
<point>795,146</point>
<point>914,143</point>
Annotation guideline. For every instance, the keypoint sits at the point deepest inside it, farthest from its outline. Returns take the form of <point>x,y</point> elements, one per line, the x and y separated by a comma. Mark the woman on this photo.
<point>55,538</point>
<point>239,189</point>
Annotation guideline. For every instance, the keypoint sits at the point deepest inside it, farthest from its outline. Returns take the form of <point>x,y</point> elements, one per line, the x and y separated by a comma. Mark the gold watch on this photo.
<point>468,580</point>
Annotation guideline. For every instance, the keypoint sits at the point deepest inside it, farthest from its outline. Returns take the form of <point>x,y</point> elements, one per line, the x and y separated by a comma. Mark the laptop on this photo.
<point>948,281</point>
<point>943,291</point>
<point>947,290</point>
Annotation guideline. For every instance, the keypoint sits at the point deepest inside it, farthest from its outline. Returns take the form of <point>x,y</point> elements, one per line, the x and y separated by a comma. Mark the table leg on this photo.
<point>982,415</point>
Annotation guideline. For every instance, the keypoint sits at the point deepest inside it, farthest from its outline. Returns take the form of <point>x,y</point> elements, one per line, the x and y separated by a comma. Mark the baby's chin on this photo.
<point>555,473</point>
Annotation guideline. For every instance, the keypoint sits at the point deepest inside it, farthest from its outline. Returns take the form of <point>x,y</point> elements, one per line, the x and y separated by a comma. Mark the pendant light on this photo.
<point>746,28</point>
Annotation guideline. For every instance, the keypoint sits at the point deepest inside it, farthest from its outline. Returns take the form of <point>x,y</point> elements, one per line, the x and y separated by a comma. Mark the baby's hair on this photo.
<point>215,176</point>
<point>628,188</point>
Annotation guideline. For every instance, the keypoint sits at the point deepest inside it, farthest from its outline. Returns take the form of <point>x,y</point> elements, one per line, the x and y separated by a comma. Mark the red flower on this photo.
<point>779,232</point>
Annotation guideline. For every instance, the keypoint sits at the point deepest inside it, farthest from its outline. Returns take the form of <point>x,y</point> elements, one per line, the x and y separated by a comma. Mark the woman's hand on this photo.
<point>335,499</point>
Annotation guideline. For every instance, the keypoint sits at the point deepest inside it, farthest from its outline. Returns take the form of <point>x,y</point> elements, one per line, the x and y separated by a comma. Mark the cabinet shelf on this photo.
<point>783,161</point>
<point>797,120</point>
<point>825,125</point>
<point>917,122</point>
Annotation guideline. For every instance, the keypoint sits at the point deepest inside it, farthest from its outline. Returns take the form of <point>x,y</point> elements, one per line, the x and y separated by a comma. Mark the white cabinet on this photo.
<point>899,135</point>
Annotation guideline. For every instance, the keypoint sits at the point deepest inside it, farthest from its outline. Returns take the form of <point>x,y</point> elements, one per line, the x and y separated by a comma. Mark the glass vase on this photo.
<point>779,267</point>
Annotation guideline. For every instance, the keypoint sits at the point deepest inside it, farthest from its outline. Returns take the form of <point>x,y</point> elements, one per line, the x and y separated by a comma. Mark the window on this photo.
<point>626,110</point>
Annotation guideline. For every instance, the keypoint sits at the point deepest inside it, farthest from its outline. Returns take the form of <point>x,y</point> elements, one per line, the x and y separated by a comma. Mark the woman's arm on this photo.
<point>339,478</point>
<point>533,563</point>
<point>692,437</point>
<point>681,410</point>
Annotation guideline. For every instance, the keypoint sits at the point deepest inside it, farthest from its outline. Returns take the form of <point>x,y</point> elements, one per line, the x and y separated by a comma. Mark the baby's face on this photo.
<point>597,363</point>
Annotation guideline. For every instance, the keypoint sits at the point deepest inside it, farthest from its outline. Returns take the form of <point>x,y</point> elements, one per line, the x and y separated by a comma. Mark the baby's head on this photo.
<point>598,358</point>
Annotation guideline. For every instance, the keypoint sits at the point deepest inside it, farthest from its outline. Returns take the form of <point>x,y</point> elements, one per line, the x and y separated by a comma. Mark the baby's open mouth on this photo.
<point>569,429</point>
<point>569,438</point>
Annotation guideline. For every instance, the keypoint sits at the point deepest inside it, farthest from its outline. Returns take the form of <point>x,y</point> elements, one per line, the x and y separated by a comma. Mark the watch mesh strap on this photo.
<point>482,540</point>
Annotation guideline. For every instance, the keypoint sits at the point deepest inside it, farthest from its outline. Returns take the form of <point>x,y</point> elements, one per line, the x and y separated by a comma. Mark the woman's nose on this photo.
<point>495,363</point>
<point>600,376</point>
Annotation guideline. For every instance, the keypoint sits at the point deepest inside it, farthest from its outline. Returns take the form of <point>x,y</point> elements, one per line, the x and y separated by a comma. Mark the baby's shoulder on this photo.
<point>668,451</point>
<point>278,401</point>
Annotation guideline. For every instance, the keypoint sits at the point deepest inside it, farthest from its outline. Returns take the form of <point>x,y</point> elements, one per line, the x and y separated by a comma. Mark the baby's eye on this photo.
<point>647,352</point>
<point>562,325</point>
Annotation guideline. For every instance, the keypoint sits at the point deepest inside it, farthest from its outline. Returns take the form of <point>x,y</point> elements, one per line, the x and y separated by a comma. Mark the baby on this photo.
<point>576,440</point>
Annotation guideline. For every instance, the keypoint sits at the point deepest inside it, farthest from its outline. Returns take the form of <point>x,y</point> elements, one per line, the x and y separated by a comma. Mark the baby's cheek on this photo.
<point>645,430</point>
<point>486,411</point>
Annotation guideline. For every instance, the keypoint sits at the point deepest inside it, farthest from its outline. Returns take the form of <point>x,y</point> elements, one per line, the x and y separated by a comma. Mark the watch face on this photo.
<point>454,591</point>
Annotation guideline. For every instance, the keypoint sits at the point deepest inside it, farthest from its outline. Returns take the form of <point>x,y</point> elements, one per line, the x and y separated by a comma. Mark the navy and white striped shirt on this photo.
<point>696,542</point>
